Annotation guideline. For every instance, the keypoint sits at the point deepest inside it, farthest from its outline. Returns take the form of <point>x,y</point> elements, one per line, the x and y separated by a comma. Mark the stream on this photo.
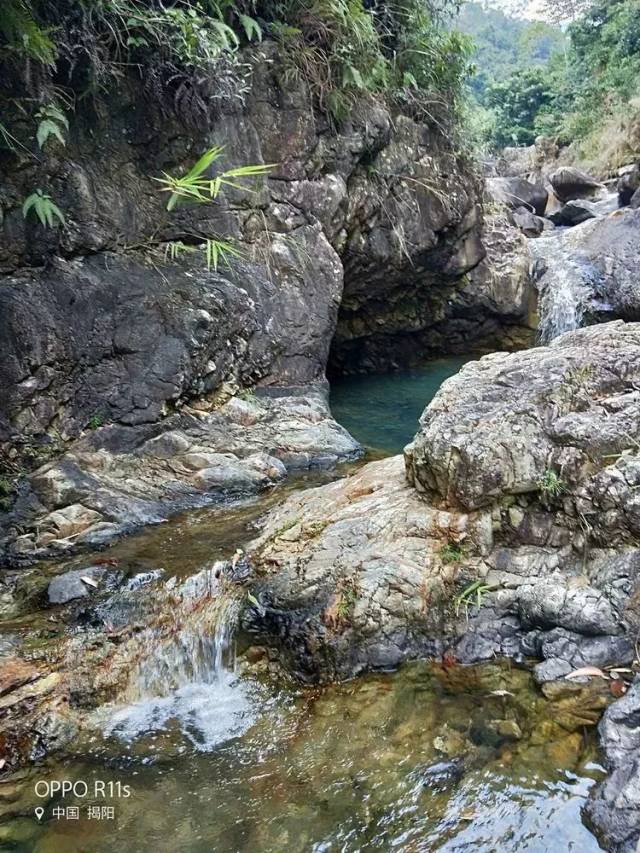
<point>566,278</point>
<point>207,751</point>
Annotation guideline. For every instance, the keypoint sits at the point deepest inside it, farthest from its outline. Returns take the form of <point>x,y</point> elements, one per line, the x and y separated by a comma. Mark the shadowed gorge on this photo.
<point>319,426</point>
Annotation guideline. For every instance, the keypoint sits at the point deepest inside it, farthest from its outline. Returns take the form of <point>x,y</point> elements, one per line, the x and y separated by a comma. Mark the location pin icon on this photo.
<point>39,812</point>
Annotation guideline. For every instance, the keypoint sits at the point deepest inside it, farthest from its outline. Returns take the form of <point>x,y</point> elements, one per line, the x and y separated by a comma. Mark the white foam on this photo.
<point>208,713</point>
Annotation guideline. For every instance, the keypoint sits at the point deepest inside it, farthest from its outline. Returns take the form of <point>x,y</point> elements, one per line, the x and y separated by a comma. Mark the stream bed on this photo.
<point>215,754</point>
<point>423,759</point>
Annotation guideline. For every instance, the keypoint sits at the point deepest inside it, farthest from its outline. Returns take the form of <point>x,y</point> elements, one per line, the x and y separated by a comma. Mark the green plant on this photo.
<point>550,484</point>
<point>475,592</point>
<point>52,122</point>
<point>196,187</point>
<point>23,34</point>
<point>95,421</point>
<point>348,596</point>
<point>452,552</point>
<point>44,208</point>
<point>287,525</point>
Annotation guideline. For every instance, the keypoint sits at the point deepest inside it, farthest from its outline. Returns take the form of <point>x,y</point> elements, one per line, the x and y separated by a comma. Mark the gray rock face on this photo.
<point>505,423</point>
<point>628,185</point>
<point>126,336</point>
<point>614,808</point>
<point>570,183</point>
<point>118,478</point>
<point>588,273</point>
<point>518,192</point>
<point>70,585</point>
<point>499,292</point>
<point>366,572</point>
<point>112,339</point>
<point>530,224</point>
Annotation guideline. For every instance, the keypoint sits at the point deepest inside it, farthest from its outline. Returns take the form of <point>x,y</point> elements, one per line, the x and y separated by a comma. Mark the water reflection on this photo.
<point>419,760</point>
<point>382,410</point>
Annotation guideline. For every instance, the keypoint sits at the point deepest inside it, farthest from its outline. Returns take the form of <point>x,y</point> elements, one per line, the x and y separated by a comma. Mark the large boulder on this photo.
<point>518,192</point>
<point>573,213</point>
<point>505,425</point>
<point>629,185</point>
<point>588,273</point>
<point>499,292</point>
<point>570,183</point>
<point>117,478</point>
<point>530,224</point>
<point>614,808</point>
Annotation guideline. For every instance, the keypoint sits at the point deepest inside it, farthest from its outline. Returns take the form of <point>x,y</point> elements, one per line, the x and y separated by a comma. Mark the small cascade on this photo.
<point>564,290</point>
<point>188,684</point>
<point>567,281</point>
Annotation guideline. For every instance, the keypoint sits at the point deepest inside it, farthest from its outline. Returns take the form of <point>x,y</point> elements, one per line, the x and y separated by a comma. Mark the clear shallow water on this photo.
<point>382,410</point>
<point>361,766</point>
<point>223,761</point>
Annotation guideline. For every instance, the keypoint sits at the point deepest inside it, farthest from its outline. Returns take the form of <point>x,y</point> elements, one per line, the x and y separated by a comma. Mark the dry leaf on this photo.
<point>618,688</point>
<point>587,670</point>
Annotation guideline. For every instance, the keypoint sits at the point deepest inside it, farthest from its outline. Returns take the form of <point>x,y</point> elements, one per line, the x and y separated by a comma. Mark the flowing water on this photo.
<point>382,410</point>
<point>565,287</point>
<point>566,279</point>
<point>205,752</point>
<point>421,760</point>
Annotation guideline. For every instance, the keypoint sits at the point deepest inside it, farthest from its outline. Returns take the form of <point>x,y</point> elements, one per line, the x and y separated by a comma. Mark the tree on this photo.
<point>560,11</point>
<point>516,102</point>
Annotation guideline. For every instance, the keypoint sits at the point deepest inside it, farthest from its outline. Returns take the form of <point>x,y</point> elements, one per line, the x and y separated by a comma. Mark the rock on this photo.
<point>583,609</point>
<point>69,586</point>
<point>500,293</point>
<point>496,427</point>
<point>148,472</point>
<point>634,204</point>
<point>508,729</point>
<point>573,213</point>
<point>551,670</point>
<point>517,162</point>
<point>570,183</point>
<point>579,650</point>
<point>596,264</point>
<point>628,185</point>
<point>15,673</point>
<point>530,224</point>
<point>613,809</point>
<point>531,162</point>
<point>518,192</point>
<point>441,775</point>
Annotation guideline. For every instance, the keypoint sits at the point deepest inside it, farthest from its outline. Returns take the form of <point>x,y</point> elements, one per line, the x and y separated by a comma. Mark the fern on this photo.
<point>251,27</point>
<point>53,122</point>
<point>44,208</point>
<point>22,32</point>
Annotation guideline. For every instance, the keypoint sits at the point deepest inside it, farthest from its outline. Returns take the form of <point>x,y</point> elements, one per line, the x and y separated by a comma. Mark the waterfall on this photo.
<point>565,282</point>
<point>188,683</point>
<point>564,294</point>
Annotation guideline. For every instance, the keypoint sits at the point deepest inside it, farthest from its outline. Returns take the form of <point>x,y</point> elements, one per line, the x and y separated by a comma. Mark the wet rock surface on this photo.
<point>570,183</point>
<point>117,478</point>
<point>614,810</point>
<point>518,192</point>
